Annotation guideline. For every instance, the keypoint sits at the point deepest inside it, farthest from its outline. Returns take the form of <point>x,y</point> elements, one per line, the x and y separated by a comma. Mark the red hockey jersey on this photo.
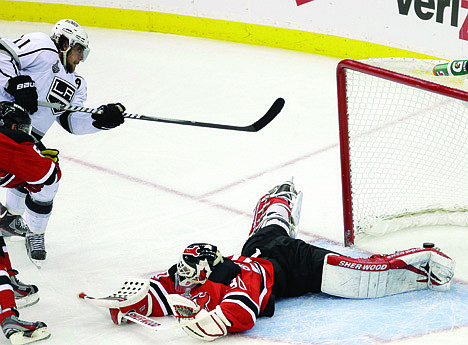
<point>21,162</point>
<point>240,285</point>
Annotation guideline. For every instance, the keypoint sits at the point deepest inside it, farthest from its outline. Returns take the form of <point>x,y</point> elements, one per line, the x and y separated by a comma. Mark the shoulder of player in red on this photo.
<point>21,161</point>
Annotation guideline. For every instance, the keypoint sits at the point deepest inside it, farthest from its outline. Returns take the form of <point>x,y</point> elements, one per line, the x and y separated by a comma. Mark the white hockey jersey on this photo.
<point>35,55</point>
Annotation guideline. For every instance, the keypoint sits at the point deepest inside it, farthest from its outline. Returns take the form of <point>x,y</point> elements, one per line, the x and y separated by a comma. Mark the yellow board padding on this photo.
<point>114,18</point>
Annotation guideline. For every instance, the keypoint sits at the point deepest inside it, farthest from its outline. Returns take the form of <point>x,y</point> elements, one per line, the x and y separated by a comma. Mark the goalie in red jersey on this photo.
<point>22,164</point>
<point>212,295</point>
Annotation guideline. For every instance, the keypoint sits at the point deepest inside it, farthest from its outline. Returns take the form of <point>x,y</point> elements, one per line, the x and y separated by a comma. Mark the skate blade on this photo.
<point>13,238</point>
<point>37,263</point>
<point>27,301</point>
<point>20,338</point>
<point>295,216</point>
<point>12,233</point>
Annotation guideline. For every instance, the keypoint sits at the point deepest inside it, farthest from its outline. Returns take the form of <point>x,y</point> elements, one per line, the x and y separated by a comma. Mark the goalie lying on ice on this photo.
<point>212,295</point>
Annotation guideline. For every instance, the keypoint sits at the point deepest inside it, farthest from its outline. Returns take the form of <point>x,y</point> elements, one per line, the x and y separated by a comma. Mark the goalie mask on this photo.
<point>13,116</point>
<point>195,265</point>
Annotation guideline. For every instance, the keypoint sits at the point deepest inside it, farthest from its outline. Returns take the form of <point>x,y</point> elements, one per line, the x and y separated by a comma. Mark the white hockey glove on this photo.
<point>198,323</point>
<point>379,276</point>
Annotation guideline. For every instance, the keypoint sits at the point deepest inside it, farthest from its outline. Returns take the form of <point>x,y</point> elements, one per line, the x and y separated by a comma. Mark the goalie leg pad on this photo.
<point>271,211</point>
<point>441,272</point>
<point>281,206</point>
<point>380,276</point>
<point>354,278</point>
<point>434,267</point>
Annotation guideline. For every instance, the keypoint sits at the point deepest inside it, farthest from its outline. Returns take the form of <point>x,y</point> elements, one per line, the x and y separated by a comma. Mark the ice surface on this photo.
<point>132,198</point>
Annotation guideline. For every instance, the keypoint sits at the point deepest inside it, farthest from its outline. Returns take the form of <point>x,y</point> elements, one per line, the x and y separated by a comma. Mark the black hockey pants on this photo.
<point>297,265</point>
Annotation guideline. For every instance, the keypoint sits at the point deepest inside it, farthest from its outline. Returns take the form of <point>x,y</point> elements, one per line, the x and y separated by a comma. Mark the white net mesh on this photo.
<point>408,150</point>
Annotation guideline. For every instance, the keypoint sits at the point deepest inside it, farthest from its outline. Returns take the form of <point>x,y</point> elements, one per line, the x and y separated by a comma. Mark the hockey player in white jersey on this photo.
<point>35,67</point>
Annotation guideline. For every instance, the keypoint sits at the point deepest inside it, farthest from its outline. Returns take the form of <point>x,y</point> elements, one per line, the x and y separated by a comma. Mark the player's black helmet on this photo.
<point>13,116</point>
<point>196,264</point>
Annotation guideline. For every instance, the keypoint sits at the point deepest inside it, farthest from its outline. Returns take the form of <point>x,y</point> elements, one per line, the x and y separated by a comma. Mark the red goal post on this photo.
<point>403,145</point>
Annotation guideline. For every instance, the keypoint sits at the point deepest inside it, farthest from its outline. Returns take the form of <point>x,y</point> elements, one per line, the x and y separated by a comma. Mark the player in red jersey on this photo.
<point>212,295</point>
<point>21,164</point>
<point>24,166</point>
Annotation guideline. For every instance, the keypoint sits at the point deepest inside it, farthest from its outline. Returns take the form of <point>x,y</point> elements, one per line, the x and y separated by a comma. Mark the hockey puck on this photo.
<point>428,245</point>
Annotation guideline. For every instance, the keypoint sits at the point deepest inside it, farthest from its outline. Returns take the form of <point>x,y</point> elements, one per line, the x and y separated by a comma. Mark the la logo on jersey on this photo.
<point>61,92</point>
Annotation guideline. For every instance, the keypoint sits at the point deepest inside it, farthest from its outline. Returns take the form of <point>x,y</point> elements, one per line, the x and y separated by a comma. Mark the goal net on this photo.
<point>404,146</point>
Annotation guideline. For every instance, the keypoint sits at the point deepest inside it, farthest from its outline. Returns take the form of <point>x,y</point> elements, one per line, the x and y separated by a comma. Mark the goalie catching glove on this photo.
<point>110,116</point>
<point>196,322</point>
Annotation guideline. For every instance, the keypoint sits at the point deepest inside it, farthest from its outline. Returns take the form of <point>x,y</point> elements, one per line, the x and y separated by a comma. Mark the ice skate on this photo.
<point>10,224</point>
<point>35,247</point>
<point>287,191</point>
<point>288,194</point>
<point>25,294</point>
<point>24,332</point>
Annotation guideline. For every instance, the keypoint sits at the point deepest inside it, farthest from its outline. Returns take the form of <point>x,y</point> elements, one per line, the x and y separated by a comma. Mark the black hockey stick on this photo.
<point>274,110</point>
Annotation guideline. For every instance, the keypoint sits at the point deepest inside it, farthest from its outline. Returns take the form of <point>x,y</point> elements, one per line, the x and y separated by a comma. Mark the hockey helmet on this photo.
<point>196,264</point>
<point>73,32</point>
<point>12,114</point>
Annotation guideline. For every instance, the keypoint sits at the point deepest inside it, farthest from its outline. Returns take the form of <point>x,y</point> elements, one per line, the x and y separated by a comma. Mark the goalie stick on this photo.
<point>112,302</point>
<point>274,110</point>
<point>132,316</point>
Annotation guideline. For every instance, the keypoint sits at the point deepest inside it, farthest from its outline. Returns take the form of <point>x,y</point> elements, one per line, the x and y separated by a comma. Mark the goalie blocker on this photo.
<point>379,275</point>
